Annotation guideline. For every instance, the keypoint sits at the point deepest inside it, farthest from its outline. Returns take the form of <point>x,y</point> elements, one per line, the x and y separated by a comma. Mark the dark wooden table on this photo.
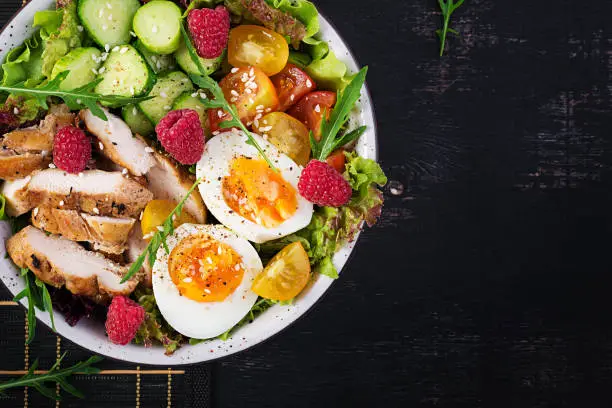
<point>487,282</point>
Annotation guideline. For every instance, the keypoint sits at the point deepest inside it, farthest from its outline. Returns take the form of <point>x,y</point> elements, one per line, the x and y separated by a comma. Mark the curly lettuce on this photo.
<point>59,40</point>
<point>330,228</point>
<point>155,328</point>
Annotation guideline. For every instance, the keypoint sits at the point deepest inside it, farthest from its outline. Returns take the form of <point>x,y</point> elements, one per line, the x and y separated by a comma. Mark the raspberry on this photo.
<point>181,134</point>
<point>71,149</point>
<point>209,30</point>
<point>123,319</point>
<point>323,185</point>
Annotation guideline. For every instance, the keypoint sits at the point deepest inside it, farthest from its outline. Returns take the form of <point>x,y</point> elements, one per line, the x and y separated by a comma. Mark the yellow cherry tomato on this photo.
<point>285,276</point>
<point>288,134</point>
<point>156,212</point>
<point>257,46</point>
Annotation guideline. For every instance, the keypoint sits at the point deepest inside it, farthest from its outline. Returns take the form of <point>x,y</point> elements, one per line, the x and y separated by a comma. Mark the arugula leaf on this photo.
<point>159,238</point>
<point>448,7</point>
<point>54,375</point>
<point>75,99</point>
<point>339,116</point>
<point>38,297</point>
<point>219,101</point>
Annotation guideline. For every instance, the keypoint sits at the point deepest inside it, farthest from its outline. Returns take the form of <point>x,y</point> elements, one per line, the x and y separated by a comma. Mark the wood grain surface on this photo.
<point>487,282</point>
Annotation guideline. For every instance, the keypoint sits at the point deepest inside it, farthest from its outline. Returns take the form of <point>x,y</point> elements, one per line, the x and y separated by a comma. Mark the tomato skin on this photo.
<point>288,134</point>
<point>310,109</point>
<point>292,84</point>
<point>256,92</point>
<point>337,160</point>
<point>251,45</point>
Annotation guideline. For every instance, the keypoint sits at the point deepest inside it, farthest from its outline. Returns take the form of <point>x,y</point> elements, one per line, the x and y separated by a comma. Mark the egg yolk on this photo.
<point>204,269</point>
<point>258,193</point>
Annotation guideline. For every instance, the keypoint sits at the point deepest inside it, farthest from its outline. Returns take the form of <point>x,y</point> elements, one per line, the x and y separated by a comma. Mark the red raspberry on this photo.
<point>123,319</point>
<point>323,185</point>
<point>209,30</point>
<point>71,149</point>
<point>181,134</point>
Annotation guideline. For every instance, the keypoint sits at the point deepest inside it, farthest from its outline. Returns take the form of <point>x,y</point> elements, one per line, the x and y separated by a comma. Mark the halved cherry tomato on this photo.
<point>257,46</point>
<point>155,214</point>
<point>285,276</point>
<point>291,85</point>
<point>288,134</point>
<point>252,92</point>
<point>309,110</point>
<point>337,160</point>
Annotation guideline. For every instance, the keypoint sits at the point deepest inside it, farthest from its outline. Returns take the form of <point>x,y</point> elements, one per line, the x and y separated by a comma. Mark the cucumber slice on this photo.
<point>158,63</point>
<point>137,121</point>
<point>186,63</point>
<point>158,25</point>
<point>189,100</point>
<point>82,64</point>
<point>125,73</point>
<point>167,88</point>
<point>108,22</point>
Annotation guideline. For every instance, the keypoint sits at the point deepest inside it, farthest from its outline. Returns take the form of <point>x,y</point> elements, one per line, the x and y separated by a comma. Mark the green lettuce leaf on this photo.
<point>24,62</point>
<point>63,39</point>
<point>155,328</point>
<point>3,215</point>
<point>305,11</point>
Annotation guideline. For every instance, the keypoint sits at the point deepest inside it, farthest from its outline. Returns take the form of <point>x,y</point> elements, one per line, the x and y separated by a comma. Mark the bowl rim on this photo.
<point>374,148</point>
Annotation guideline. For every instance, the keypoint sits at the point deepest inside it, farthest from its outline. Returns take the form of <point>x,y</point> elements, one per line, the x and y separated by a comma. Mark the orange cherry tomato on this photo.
<point>251,91</point>
<point>288,134</point>
<point>337,160</point>
<point>257,46</point>
<point>309,110</point>
<point>291,85</point>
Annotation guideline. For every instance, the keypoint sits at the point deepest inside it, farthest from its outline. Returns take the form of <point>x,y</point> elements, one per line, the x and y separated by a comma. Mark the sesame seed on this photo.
<point>194,95</point>
<point>216,132</point>
<point>44,153</point>
<point>163,94</point>
<point>149,150</point>
<point>160,228</point>
<point>124,171</point>
<point>158,64</point>
<point>260,107</point>
<point>252,72</point>
<point>81,174</point>
<point>61,203</point>
<point>80,28</point>
<point>95,71</point>
<point>106,47</point>
<point>220,114</point>
<point>93,57</point>
<point>167,107</point>
<point>109,6</point>
<point>51,165</point>
<point>140,216</point>
<point>35,212</point>
<point>104,27</point>
<point>101,70</point>
<point>115,48</point>
<point>237,267</point>
<point>110,17</point>
<point>187,280</point>
<point>78,101</point>
<point>203,95</point>
<point>133,34</point>
<point>132,91</point>
<point>292,97</point>
<point>16,111</point>
<point>135,112</point>
<point>148,236</point>
<point>154,29</point>
<point>96,211</point>
<point>123,50</point>
<point>234,70</point>
<point>100,13</point>
<point>101,146</point>
<point>219,251</point>
<point>308,83</point>
<point>317,108</point>
<point>209,260</point>
<point>244,77</point>
<point>27,179</point>
<point>207,290</point>
<point>249,91</point>
<point>234,92</point>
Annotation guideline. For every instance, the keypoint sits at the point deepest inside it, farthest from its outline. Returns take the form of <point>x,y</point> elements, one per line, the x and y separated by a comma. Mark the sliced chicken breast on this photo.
<point>168,181</point>
<point>94,192</point>
<point>14,165</point>
<point>136,246</point>
<point>106,234</point>
<point>58,262</point>
<point>118,144</point>
<point>16,194</point>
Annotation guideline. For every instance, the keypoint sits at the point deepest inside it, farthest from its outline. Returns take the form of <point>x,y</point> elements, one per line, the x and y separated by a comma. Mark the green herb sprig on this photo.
<point>219,101</point>
<point>448,7</point>
<point>78,98</point>
<point>330,128</point>
<point>159,238</point>
<point>38,297</point>
<point>54,375</point>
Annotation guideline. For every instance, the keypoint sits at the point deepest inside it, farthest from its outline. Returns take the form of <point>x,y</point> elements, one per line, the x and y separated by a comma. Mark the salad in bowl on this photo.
<point>173,171</point>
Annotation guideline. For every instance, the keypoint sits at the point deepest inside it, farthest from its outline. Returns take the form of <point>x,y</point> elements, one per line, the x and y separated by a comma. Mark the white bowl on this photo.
<point>91,334</point>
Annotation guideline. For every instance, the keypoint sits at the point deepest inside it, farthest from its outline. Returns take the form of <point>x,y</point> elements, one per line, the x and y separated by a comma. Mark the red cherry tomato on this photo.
<point>337,160</point>
<point>291,85</point>
<point>310,109</point>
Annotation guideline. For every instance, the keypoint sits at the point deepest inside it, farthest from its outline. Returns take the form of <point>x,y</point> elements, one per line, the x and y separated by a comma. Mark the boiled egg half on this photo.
<point>203,284</point>
<point>245,194</point>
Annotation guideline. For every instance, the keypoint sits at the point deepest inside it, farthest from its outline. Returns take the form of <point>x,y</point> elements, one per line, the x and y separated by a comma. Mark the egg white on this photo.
<point>204,320</point>
<point>215,164</point>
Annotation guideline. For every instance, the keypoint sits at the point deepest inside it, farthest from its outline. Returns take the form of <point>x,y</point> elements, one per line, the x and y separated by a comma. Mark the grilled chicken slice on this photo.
<point>94,192</point>
<point>14,165</point>
<point>136,246</point>
<point>16,194</point>
<point>58,261</point>
<point>167,181</point>
<point>118,144</point>
<point>106,234</point>
<point>39,138</point>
